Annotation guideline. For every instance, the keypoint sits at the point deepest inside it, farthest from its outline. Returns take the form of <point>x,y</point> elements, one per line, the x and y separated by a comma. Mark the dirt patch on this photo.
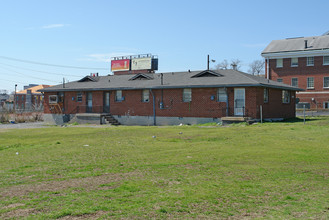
<point>18,213</point>
<point>88,183</point>
<point>87,216</point>
<point>11,206</point>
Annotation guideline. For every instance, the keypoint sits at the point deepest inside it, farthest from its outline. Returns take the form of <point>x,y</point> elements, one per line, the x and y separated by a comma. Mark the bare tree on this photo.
<point>257,67</point>
<point>236,64</point>
<point>222,65</point>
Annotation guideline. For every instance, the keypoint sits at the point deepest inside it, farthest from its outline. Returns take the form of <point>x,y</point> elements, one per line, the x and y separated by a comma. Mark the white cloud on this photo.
<point>54,26</point>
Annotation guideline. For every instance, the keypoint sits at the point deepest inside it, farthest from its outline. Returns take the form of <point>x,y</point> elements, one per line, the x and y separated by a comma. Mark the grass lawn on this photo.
<point>270,170</point>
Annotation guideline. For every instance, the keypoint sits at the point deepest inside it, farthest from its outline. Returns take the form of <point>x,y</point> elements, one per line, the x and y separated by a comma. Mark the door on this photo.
<point>239,101</point>
<point>89,108</point>
<point>106,102</point>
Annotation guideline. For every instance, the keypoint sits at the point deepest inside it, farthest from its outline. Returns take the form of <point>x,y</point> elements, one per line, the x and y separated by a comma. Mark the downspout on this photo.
<point>268,68</point>
<point>154,117</point>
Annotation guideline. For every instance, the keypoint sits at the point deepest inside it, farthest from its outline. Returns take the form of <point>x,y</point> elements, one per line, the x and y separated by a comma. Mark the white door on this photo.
<point>239,101</point>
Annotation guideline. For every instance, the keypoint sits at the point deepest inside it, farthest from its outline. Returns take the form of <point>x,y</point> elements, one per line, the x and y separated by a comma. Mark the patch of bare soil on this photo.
<point>88,183</point>
<point>95,215</point>
<point>18,213</point>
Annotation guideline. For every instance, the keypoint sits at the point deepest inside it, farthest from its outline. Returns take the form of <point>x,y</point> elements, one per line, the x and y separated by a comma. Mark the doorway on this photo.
<point>106,102</point>
<point>239,101</point>
<point>89,103</point>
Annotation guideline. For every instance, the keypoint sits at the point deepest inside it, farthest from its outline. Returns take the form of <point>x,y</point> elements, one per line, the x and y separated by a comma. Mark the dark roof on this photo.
<point>298,44</point>
<point>189,79</point>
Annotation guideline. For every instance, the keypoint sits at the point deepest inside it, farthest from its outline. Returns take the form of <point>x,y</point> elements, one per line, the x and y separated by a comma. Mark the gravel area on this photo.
<point>23,125</point>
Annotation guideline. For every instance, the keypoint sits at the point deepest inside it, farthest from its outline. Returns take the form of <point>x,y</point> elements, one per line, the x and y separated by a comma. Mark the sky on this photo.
<point>42,42</point>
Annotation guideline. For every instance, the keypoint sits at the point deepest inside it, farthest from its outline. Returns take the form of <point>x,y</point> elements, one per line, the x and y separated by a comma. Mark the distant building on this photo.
<point>30,99</point>
<point>301,62</point>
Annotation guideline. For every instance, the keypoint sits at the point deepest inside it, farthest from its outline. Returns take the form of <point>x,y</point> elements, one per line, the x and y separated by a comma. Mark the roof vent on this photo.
<point>305,44</point>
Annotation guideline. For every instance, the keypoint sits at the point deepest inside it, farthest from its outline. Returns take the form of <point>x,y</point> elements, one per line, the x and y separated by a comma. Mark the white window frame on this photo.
<point>325,60</point>
<point>294,62</point>
<point>292,81</point>
<point>118,96</point>
<point>53,99</point>
<point>266,95</point>
<point>285,96</point>
<point>221,95</point>
<point>279,63</point>
<point>310,61</point>
<point>187,95</point>
<point>310,83</point>
<point>324,82</point>
<point>145,95</point>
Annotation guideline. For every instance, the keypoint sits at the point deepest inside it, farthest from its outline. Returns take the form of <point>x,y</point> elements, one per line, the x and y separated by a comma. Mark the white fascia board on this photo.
<point>308,53</point>
<point>313,92</point>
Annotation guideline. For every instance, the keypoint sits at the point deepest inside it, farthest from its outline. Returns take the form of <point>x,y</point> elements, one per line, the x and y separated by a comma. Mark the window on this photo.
<point>285,96</point>
<point>310,82</point>
<point>279,63</point>
<point>187,95</point>
<point>310,61</point>
<point>118,96</point>
<point>221,95</point>
<point>79,96</point>
<point>294,82</point>
<point>52,99</point>
<point>294,61</point>
<point>326,105</point>
<point>279,80</point>
<point>326,60</point>
<point>325,82</point>
<point>266,95</point>
<point>146,95</point>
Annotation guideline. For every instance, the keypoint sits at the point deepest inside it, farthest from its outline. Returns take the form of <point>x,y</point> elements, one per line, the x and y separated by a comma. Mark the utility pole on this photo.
<point>15,99</point>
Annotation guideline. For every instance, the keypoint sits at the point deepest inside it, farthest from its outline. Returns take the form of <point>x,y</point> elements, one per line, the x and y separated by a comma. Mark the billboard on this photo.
<point>141,63</point>
<point>120,65</point>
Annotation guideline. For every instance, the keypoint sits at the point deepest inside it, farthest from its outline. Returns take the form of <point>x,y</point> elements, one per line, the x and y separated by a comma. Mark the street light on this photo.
<point>15,99</point>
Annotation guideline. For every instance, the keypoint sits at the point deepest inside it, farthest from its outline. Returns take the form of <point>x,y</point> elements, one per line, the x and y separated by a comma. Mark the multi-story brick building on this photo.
<point>302,62</point>
<point>30,98</point>
<point>169,98</point>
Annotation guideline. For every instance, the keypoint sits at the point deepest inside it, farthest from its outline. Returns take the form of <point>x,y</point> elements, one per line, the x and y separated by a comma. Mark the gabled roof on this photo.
<point>34,90</point>
<point>141,76</point>
<point>89,78</point>
<point>207,73</point>
<point>188,79</point>
<point>298,44</point>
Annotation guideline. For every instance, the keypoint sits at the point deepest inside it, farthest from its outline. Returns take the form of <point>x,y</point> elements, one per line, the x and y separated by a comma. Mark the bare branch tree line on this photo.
<point>257,67</point>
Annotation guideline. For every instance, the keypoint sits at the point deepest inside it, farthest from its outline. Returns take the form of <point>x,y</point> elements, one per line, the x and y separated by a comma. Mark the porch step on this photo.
<point>111,120</point>
<point>230,120</point>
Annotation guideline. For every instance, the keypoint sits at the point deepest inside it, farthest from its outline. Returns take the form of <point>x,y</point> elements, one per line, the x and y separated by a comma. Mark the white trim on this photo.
<point>313,92</point>
<point>290,54</point>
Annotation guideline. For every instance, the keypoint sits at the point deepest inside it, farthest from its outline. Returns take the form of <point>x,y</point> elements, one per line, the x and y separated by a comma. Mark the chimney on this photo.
<point>234,66</point>
<point>305,44</point>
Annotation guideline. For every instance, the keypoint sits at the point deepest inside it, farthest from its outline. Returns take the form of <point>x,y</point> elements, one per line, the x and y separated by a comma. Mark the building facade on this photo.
<point>301,62</point>
<point>190,97</point>
<point>30,99</point>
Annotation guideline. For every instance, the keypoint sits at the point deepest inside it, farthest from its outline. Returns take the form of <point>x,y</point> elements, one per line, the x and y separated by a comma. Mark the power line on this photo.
<point>58,74</point>
<point>47,64</point>
<point>29,76</point>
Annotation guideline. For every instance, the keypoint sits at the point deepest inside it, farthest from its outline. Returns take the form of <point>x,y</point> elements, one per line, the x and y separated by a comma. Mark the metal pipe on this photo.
<point>154,116</point>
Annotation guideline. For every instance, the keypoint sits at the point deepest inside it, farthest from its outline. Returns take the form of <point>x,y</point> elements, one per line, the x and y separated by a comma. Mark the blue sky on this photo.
<point>83,33</point>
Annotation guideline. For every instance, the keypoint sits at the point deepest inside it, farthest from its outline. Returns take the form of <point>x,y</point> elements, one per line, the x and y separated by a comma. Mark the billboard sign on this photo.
<point>141,63</point>
<point>120,65</point>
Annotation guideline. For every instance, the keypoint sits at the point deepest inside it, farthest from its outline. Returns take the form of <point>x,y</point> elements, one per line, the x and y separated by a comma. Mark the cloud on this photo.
<point>54,26</point>
<point>262,45</point>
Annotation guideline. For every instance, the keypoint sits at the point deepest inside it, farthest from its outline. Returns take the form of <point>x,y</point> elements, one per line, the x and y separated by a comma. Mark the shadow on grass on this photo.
<point>300,119</point>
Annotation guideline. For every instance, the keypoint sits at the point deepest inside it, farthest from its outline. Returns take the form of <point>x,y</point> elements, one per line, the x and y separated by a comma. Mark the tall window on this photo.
<point>326,60</point>
<point>265,95</point>
<point>279,63</point>
<point>187,95</point>
<point>294,61</point>
<point>310,82</point>
<point>325,82</point>
<point>285,96</point>
<point>310,61</point>
<point>118,96</point>
<point>146,95</point>
<point>221,95</point>
<point>294,82</point>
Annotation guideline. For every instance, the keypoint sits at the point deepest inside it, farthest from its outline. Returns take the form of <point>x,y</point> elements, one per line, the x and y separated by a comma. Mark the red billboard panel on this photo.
<point>120,65</point>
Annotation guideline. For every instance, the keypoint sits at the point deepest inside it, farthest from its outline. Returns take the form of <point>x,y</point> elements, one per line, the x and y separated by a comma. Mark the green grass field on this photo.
<point>270,170</point>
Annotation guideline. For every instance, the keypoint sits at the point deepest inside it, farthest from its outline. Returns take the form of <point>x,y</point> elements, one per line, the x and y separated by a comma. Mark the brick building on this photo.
<point>302,62</point>
<point>30,98</point>
<point>169,98</point>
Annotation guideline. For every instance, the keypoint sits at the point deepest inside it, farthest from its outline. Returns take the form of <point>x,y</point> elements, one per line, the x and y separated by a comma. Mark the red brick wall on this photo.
<point>302,72</point>
<point>200,106</point>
